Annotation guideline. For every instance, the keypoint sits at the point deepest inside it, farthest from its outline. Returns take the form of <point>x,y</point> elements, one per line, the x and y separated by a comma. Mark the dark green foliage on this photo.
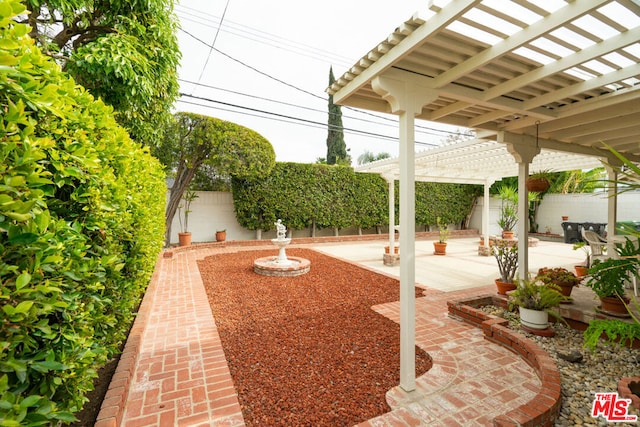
<point>336,147</point>
<point>124,52</point>
<point>194,142</point>
<point>337,197</point>
<point>80,230</point>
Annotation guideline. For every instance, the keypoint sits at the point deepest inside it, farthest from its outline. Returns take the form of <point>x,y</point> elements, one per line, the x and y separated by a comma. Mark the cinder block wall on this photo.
<point>578,207</point>
<point>214,210</point>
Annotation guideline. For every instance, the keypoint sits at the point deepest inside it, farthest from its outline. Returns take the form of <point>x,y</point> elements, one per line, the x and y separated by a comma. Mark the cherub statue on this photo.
<point>281,230</point>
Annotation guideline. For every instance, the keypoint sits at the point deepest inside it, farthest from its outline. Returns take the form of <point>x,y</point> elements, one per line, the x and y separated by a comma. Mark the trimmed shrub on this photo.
<point>81,225</point>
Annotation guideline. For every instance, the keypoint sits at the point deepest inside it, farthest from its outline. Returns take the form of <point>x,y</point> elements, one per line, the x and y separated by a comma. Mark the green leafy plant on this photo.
<point>79,232</point>
<point>443,231</point>
<point>613,331</point>
<point>607,277</point>
<point>185,209</point>
<point>536,295</point>
<point>508,208</point>
<point>506,254</point>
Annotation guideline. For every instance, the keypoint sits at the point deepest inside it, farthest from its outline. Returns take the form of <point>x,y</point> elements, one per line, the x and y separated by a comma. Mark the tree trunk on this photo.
<point>313,228</point>
<point>183,177</point>
<point>336,232</point>
<point>259,234</point>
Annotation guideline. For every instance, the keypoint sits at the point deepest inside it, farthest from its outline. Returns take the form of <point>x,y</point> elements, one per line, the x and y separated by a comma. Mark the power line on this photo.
<point>214,40</point>
<point>259,36</point>
<point>282,117</point>
<point>392,123</point>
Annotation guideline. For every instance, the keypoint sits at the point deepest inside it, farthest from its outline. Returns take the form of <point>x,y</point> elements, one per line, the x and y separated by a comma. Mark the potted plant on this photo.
<point>538,182</point>
<point>184,209</point>
<point>561,277</point>
<point>581,269</point>
<point>607,277</point>
<point>221,235</point>
<point>535,299</point>
<point>440,247</point>
<point>508,210</point>
<point>506,254</point>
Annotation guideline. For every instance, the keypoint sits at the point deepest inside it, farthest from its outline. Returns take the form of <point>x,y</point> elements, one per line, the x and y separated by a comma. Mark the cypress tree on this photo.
<point>336,147</point>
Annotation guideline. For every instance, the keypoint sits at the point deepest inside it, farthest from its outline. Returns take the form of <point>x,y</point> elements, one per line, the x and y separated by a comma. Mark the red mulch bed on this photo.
<point>306,350</point>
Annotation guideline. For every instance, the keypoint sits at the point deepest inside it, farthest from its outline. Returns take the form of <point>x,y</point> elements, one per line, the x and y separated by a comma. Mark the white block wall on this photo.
<point>214,210</point>
<point>578,207</point>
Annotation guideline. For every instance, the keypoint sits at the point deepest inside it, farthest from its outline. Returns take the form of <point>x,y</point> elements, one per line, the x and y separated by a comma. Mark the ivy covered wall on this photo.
<point>304,195</point>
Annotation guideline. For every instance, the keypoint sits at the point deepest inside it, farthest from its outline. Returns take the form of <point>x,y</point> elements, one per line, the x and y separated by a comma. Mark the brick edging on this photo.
<point>544,408</point>
<point>113,405</point>
<point>419,235</point>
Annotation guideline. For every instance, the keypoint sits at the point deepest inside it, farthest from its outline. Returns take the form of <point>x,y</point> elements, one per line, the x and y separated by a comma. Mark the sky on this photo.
<point>265,65</point>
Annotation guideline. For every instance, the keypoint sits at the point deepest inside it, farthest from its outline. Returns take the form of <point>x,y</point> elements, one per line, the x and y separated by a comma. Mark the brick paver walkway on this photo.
<point>181,378</point>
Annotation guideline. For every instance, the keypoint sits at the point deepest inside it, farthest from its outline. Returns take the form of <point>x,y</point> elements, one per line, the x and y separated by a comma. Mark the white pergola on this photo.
<point>528,75</point>
<point>481,162</point>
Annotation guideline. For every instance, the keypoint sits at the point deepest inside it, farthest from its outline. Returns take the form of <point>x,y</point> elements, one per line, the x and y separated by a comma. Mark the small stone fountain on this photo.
<point>281,265</point>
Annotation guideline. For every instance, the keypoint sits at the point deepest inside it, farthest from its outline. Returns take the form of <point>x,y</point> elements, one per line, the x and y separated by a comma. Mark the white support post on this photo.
<point>407,251</point>
<point>392,214</point>
<point>523,152</point>
<point>523,221</point>
<point>486,213</point>
<point>612,209</point>
<point>406,99</point>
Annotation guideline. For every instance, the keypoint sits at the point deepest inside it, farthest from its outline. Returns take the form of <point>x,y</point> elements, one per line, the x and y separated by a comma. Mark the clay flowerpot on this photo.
<point>537,185</point>
<point>439,248</point>
<point>221,236</point>
<point>614,306</point>
<point>581,270</point>
<point>507,234</point>
<point>395,249</point>
<point>184,239</point>
<point>504,287</point>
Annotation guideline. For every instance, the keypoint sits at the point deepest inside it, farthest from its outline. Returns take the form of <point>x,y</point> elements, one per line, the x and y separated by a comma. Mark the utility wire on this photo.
<point>391,122</point>
<point>214,40</point>
<point>297,119</point>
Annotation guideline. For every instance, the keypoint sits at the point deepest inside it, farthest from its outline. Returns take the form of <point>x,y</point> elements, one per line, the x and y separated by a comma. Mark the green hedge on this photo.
<point>337,197</point>
<point>81,226</point>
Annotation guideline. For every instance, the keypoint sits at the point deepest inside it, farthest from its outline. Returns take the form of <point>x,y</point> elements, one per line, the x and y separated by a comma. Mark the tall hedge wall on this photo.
<point>81,226</point>
<point>337,197</point>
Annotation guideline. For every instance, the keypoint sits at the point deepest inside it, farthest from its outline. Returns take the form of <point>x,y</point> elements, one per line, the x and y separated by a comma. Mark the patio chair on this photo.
<point>597,244</point>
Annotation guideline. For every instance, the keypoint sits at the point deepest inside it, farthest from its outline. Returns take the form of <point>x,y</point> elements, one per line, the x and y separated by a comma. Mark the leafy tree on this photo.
<point>194,141</point>
<point>368,157</point>
<point>125,52</point>
<point>80,231</point>
<point>336,147</point>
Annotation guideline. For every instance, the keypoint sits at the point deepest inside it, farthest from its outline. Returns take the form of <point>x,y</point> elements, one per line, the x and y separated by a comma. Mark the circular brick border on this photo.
<point>266,267</point>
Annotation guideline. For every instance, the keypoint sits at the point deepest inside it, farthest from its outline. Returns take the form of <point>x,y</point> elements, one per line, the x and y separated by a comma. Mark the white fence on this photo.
<point>213,211</point>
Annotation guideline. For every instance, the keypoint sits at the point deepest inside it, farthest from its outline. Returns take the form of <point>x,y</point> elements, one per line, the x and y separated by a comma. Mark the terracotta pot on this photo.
<point>614,306</point>
<point>221,236</point>
<point>395,249</point>
<point>581,270</point>
<point>537,184</point>
<point>184,239</point>
<point>535,319</point>
<point>507,234</point>
<point>439,248</point>
<point>565,289</point>
<point>564,218</point>
<point>504,287</point>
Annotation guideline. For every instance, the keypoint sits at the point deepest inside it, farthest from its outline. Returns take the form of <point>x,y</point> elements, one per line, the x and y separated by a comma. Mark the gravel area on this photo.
<point>306,350</point>
<point>599,371</point>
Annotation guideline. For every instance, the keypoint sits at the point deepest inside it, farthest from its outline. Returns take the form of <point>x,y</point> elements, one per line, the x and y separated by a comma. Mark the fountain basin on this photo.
<point>273,266</point>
